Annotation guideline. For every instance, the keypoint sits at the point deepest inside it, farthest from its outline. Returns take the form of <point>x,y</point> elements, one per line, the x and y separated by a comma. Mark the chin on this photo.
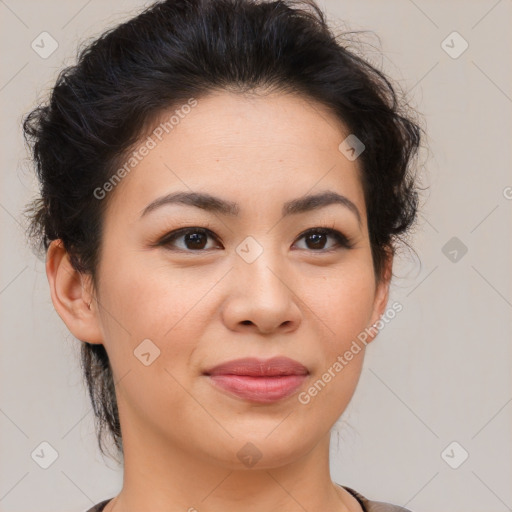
<point>258,452</point>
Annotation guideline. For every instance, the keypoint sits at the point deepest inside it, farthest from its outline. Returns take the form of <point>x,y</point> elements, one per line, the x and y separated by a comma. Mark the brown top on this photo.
<point>366,504</point>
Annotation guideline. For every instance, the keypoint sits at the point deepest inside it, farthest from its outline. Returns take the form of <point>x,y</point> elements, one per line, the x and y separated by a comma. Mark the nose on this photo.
<point>261,297</point>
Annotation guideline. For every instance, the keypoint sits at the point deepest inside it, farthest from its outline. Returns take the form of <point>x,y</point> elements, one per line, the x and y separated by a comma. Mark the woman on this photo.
<point>223,185</point>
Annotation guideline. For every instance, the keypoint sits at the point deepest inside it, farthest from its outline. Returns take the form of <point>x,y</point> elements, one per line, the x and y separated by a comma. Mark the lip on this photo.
<point>254,367</point>
<point>259,380</point>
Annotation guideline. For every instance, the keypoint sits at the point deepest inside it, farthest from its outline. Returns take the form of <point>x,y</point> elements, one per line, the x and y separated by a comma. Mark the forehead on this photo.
<point>240,146</point>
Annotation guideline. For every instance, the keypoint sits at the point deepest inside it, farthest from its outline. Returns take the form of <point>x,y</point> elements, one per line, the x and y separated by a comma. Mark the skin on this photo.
<point>181,434</point>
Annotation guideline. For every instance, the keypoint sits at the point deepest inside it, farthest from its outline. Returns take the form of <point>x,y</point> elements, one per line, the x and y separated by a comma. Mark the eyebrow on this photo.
<point>216,204</point>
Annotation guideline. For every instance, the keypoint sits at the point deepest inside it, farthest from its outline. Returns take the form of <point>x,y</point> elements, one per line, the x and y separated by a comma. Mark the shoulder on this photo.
<point>99,506</point>
<point>374,506</point>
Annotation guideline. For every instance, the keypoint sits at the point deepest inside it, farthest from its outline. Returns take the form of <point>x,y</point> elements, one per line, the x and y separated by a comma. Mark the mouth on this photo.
<point>260,381</point>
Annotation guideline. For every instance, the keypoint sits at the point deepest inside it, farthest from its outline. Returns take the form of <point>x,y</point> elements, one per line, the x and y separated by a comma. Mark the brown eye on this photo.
<point>194,239</point>
<point>317,238</point>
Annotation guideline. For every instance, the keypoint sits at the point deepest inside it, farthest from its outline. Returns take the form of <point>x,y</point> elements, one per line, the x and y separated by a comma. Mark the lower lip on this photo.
<point>259,389</point>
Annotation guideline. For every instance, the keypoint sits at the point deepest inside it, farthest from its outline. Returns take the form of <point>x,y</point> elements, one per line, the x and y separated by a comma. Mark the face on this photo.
<point>184,288</point>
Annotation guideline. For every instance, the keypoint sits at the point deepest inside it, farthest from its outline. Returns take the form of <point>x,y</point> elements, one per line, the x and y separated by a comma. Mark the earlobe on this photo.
<point>72,295</point>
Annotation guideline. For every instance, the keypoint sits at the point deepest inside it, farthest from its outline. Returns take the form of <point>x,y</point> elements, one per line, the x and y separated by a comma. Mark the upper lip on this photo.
<point>255,367</point>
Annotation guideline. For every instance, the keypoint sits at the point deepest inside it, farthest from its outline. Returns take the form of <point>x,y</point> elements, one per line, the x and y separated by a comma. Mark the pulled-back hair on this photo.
<point>181,49</point>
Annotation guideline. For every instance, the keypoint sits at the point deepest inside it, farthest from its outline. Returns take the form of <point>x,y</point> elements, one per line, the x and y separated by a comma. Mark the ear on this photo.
<point>72,295</point>
<point>381,295</point>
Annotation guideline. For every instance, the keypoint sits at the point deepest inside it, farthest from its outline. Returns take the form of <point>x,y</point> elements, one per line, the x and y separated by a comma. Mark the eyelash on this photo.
<point>343,242</point>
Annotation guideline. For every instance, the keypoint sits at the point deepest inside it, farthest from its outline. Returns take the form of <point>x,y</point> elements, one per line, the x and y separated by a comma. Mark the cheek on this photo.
<point>341,301</point>
<point>151,312</point>
<point>155,299</point>
<point>343,307</point>
<point>143,303</point>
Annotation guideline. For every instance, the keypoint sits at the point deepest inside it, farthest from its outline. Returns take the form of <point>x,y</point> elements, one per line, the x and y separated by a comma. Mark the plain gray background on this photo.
<point>438,373</point>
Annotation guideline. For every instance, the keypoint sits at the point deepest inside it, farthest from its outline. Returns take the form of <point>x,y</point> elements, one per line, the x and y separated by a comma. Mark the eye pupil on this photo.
<point>195,239</point>
<point>317,239</point>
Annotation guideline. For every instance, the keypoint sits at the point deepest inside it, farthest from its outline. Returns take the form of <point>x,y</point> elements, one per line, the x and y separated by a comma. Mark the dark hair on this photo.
<point>178,49</point>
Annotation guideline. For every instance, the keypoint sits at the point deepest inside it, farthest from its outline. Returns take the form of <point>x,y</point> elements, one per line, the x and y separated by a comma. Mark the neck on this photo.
<point>160,477</point>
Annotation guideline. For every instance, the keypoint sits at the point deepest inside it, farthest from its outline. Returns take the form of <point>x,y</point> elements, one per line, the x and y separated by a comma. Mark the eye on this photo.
<point>194,239</point>
<point>316,238</point>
